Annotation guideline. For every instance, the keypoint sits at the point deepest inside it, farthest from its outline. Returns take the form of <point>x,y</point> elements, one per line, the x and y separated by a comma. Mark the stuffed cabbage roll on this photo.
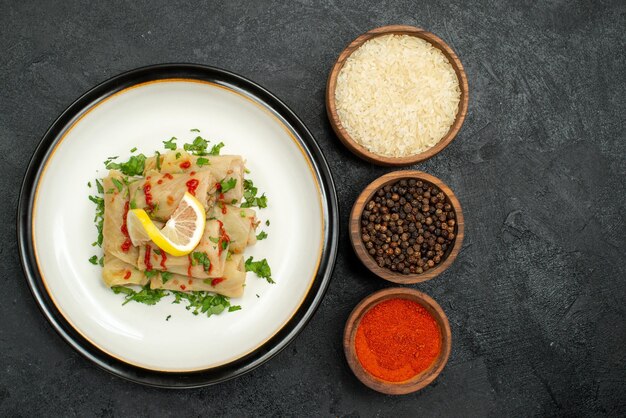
<point>222,167</point>
<point>116,241</point>
<point>230,284</point>
<point>240,224</point>
<point>160,193</point>
<point>118,273</point>
<point>205,261</point>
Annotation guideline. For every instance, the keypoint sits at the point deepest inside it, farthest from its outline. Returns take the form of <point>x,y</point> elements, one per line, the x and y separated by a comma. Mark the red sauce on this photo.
<point>163,260</point>
<point>224,210</point>
<point>127,275</point>
<point>223,238</point>
<point>190,282</point>
<point>146,259</point>
<point>221,196</point>
<point>193,173</point>
<point>185,165</point>
<point>192,185</point>
<point>217,281</point>
<point>168,176</point>
<point>160,181</point>
<point>189,267</point>
<point>126,245</point>
<point>146,191</point>
<point>124,228</point>
<point>183,287</point>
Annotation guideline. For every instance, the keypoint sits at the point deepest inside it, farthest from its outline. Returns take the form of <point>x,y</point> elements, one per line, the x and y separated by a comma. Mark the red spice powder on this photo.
<point>397,339</point>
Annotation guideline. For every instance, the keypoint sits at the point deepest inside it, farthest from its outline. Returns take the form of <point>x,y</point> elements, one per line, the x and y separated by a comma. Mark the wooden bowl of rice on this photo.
<point>397,95</point>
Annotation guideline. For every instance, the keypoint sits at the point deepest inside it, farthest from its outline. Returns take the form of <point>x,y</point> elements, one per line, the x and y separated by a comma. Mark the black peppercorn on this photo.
<point>408,226</point>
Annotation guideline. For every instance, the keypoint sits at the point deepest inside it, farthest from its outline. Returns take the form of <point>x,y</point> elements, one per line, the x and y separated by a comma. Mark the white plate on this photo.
<point>143,116</point>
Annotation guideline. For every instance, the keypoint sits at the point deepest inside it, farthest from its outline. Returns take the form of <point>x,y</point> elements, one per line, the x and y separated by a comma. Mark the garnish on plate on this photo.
<point>147,269</point>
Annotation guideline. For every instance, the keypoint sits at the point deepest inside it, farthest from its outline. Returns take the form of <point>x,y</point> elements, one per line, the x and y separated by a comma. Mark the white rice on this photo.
<point>397,95</point>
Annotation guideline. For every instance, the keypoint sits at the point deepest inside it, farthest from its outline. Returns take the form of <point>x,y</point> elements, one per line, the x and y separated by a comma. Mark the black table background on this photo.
<point>536,297</point>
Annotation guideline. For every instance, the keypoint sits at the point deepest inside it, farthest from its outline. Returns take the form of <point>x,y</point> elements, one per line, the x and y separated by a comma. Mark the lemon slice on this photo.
<point>181,233</point>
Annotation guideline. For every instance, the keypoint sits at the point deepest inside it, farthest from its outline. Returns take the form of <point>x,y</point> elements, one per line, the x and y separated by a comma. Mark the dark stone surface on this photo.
<point>535,299</point>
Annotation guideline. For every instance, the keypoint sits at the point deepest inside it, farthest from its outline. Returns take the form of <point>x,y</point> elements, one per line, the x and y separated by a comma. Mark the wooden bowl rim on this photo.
<point>355,227</point>
<point>360,150</point>
<point>420,380</point>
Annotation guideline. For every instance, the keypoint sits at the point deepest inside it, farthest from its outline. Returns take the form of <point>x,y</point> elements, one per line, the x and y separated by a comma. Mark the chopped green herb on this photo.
<point>170,144</point>
<point>242,213</point>
<point>133,167</point>
<point>257,295</point>
<point>165,276</point>
<point>93,259</point>
<point>245,170</point>
<point>267,222</point>
<point>89,184</point>
<point>133,204</point>
<point>214,239</point>
<point>201,258</point>
<point>248,187</point>
<point>202,161</point>
<point>249,193</point>
<point>153,209</point>
<point>99,186</point>
<point>145,295</point>
<point>260,268</point>
<point>118,184</point>
<point>157,251</point>
<point>99,217</point>
<point>101,261</point>
<point>97,200</point>
<point>150,273</point>
<point>178,155</point>
<point>194,130</point>
<point>122,289</point>
<point>261,235</point>
<point>198,146</point>
<point>197,302</point>
<point>203,302</point>
<point>233,202</point>
<point>224,244</point>
<point>215,150</point>
<point>158,160</point>
<point>260,202</point>
<point>227,185</point>
<point>134,149</point>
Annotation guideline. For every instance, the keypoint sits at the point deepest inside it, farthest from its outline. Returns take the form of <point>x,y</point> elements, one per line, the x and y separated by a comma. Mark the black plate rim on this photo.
<point>329,206</point>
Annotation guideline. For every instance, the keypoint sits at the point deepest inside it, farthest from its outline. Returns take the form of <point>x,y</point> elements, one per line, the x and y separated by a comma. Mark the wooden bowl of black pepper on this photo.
<point>407,227</point>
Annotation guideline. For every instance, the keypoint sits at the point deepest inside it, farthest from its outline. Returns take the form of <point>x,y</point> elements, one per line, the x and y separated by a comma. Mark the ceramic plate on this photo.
<point>141,109</point>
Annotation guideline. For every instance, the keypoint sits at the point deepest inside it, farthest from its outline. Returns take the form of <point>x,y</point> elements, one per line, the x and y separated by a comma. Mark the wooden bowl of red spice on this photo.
<point>397,341</point>
<point>407,226</point>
